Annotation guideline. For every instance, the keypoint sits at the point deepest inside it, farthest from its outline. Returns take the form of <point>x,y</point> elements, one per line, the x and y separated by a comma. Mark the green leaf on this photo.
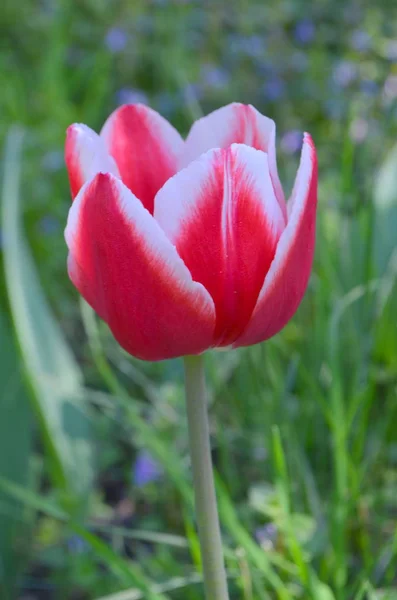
<point>52,372</point>
<point>385,202</point>
<point>33,500</point>
<point>321,591</point>
<point>15,447</point>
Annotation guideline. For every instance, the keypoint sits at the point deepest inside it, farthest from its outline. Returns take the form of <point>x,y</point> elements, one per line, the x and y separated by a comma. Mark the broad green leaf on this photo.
<point>15,447</point>
<point>52,372</point>
<point>385,202</point>
<point>322,592</point>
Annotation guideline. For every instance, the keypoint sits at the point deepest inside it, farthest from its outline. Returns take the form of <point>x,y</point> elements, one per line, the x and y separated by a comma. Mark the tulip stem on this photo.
<point>204,490</point>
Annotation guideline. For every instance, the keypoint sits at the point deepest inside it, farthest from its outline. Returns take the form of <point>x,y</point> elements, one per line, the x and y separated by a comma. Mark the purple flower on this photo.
<point>391,50</point>
<point>304,31</point>
<point>369,87</point>
<point>291,141</point>
<point>252,46</point>
<point>390,87</point>
<point>146,469</point>
<point>360,40</point>
<point>358,130</point>
<point>344,73</point>
<point>131,96</point>
<point>116,39</point>
<point>266,536</point>
<point>214,77</point>
<point>274,88</point>
<point>192,92</point>
<point>76,545</point>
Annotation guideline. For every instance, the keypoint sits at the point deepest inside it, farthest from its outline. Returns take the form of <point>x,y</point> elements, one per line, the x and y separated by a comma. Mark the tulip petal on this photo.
<point>287,279</point>
<point>128,271</point>
<point>224,220</point>
<point>240,124</point>
<point>145,147</point>
<point>85,155</point>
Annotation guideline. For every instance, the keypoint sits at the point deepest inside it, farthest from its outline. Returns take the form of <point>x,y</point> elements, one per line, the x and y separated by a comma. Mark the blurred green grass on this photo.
<point>304,435</point>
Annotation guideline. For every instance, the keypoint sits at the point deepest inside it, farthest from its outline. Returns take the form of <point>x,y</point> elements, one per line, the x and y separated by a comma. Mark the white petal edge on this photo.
<point>296,206</point>
<point>87,153</point>
<point>215,130</point>
<point>176,200</point>
<point>159,128</point>
<point>152,234</point>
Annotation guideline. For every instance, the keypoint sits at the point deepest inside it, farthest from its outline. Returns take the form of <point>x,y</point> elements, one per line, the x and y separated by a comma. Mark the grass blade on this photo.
<point>15,446</point>
<point>52,372</point>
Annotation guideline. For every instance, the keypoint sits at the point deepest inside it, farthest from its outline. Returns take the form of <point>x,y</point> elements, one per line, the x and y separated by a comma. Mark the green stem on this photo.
<point>341,488</point>
<point>204,489</point>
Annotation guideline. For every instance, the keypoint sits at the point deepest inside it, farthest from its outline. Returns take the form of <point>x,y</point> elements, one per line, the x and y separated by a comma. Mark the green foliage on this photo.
<point>15,447</point>
<point>52,371</point>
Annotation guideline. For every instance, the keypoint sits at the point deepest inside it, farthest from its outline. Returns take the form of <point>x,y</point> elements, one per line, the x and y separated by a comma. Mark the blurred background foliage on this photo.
<point>95,485</point>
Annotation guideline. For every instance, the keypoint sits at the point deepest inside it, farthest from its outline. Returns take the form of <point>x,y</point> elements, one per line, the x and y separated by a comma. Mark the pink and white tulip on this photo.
<point>184,245</point>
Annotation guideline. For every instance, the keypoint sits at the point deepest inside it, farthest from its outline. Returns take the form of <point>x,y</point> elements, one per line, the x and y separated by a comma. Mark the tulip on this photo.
<point>181,246</point>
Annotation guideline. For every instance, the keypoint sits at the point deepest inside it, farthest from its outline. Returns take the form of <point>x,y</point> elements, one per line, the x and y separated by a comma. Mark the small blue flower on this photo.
<point>252,46</point>
<point>116,39</point>
<point>76,545</point>
<point>369,87</point>
<point>192,91</point>
<point>266,535</point>
<point>214,77</point>
<point>344,73</point>
<point>391,50</point>
<point>274,88</point>
<point>390,87</point>
<point>131,96</point>
<point>291,141</point>
<point>146,469</point>
<point>304,31</point>
<point>358,130</point>
<point>360,40</point>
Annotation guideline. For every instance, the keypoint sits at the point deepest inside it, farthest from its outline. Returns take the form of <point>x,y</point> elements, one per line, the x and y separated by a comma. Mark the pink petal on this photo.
<point>128,271</point>
<point>145,147</point>
<point>287,279</point>
<point>223,217</point>
<point>85,155</point>
<point>235,123</point>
